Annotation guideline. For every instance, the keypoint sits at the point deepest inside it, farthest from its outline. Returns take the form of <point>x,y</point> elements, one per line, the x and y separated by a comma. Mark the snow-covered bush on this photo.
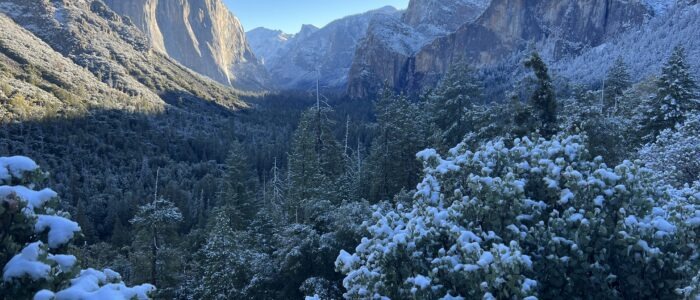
<point>675,155</point>
<point>33,226</point>
<point>537,219</point>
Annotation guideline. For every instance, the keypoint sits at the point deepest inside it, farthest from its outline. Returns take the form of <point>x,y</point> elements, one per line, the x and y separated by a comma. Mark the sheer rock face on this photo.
<point>116,53</point>
<point>293,60</point>
<point>200,34</point>
<point>445,15</point>
<point>557,28</point>
<point>143,14</point>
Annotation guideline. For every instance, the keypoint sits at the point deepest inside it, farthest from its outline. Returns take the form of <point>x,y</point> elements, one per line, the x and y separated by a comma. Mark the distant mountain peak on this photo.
<point>385,9</point>
<point>391,42</point>
<point>292,60</point>
<point>307,29</point>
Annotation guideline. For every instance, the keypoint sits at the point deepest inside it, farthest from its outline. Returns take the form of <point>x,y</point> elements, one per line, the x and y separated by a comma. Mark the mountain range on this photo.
<point>150,46</point>
<point>296,61</point>
<point>411,50</point>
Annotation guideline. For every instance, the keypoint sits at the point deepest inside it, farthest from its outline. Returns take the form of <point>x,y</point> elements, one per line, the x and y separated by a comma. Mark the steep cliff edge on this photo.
<point>203,35</point>
<point>559,29</point>
<point>442,15</point>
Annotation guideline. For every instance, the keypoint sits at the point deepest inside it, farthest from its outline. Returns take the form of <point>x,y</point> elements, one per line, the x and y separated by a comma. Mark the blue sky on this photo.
<point>289,15</point>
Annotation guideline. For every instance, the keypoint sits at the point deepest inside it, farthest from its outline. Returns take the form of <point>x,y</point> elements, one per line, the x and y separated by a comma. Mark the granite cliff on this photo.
<point>559,29</point>
<point>203,35</point>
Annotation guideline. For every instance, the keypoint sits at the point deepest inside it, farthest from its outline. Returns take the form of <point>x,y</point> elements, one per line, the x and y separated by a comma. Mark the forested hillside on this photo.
<point>124,175</point>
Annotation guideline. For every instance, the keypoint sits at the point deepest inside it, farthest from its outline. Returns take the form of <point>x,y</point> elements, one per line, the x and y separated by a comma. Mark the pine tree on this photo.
<point>155,225</point>
<point>522,121</point>
<point>392,163</point>
<point>224,270</point>
<point>237,186</point>
<point>674,155</point>
<point>543,99</point>
<point>351,181</point>
<point>675,96</point>
<point>458,91</point>
<point>277,189</point>
<point>617,81</point>
<point>272,214</point>
<point>315,162</point>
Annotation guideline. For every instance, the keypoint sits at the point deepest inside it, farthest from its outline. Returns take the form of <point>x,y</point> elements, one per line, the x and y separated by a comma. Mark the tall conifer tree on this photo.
<point>543,99</point>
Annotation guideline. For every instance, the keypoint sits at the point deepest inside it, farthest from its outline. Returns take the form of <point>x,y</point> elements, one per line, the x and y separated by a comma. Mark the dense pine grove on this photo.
<point>553,192</point>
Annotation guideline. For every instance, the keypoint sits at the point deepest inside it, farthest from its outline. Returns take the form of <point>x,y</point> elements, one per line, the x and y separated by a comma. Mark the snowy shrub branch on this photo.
<point>32,224</point>
<point>539,218</point>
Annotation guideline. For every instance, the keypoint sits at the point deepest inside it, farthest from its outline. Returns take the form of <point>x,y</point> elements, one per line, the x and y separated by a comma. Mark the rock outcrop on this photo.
<point>644,50</point>
<point>442,15</point>
<point>203,35</point>
<point>557,28</point>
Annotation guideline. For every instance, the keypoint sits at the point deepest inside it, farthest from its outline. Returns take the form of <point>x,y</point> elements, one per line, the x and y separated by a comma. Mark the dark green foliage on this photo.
<point>269,196</point>
<point>543,99</point>
<point>392,163</point>
<point>485,219</point>
<point>104,164</point>
<point>155,257</point>
<point>228,267</point>
<point>315,163</point>
<point>457,93</point>
<point>16,229</point>
<point>44,261</point>
<point>237,186</point>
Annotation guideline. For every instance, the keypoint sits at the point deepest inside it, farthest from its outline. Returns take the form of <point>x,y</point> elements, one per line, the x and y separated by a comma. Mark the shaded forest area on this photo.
<point>258,203</point>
